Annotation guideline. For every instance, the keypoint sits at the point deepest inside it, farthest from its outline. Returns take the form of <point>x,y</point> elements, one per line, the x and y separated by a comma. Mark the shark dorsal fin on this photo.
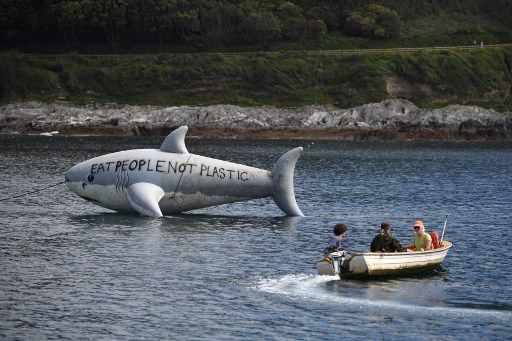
<point>175,142</point>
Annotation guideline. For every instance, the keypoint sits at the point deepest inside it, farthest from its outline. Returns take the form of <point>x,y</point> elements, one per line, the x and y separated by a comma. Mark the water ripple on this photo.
<point>73,270</point>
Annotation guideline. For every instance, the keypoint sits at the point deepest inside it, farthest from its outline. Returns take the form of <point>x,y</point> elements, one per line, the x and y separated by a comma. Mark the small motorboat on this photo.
<point>375,264</point>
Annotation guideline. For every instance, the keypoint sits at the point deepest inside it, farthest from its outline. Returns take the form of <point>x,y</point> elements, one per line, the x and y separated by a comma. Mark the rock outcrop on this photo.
<point>390,119</point>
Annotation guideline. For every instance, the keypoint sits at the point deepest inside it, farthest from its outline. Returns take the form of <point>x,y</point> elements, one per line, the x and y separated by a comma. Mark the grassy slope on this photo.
<point>281,79</point>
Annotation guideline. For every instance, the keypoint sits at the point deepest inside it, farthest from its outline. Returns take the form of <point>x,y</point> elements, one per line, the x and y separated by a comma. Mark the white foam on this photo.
<point>310,287</point>
<point>49,133</point>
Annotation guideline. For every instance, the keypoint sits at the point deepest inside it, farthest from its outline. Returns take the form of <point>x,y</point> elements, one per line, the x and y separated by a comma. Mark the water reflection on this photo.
<point>126,223</point>
<point>110,220</point>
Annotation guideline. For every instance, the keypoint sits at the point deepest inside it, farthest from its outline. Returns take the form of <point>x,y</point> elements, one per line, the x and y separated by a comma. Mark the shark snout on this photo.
<point>75,174</point>
<point>74,180</point>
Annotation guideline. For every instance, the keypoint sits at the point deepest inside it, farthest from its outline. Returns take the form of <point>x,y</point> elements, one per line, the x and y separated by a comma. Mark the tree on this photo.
<point>208,22</point>
<point>187,24</point>
<point>387,20</point>
<point>23,19</point>
<point>259,28</point>
<point>315,29</point>
<point>217,23</point>
<point>326,13</point>
<point>291,20</point>
<point>374,21</point>
<point>358,24</point>
<point>295,26</point>
<point>153,19</point>
<point>71,18</point>
<point>110,17</point>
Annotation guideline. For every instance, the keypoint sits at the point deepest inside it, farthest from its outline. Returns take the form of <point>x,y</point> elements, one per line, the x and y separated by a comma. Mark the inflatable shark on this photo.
<point>171,180</point>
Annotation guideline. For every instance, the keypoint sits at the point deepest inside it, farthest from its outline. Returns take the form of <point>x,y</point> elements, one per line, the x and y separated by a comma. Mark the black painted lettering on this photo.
<point>208,172</point>
<point>149,166</point>
<point>192,165</point>
<point>118,165</point>
<point>230,173</point>
<point>142,162</point>
<point>215,172</point>
<point>222,175</point>
<point>172,166</point>
<point>100,168</point>
<point>93,168</point>
<point>133,165</point>
<point>125,164</point>
<point>159,166</point>
<point>244,176</point>
<point>203,169</point>
<point>182,168</point>
<point>108,165</point>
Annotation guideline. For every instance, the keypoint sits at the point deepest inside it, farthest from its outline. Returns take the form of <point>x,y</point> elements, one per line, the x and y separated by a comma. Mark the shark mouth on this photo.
<point>90,199</point>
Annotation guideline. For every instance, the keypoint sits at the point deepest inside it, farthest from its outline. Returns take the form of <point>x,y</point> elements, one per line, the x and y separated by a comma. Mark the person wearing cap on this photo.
<point>334,243</point>
<point>422,240</point>
<point>384,241</point>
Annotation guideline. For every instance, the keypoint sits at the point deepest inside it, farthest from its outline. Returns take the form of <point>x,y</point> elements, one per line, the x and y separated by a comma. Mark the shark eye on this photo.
<point>90,178</point>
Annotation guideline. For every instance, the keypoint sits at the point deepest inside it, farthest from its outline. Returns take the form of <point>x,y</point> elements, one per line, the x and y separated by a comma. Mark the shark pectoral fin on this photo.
<point>175,141</point>
<point>144,198</point>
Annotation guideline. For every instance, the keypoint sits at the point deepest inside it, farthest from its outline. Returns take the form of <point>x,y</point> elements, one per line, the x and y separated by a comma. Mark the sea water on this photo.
<point>73,270</point>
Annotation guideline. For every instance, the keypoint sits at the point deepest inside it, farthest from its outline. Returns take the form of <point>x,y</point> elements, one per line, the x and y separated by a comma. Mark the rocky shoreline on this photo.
<point>394,119</point>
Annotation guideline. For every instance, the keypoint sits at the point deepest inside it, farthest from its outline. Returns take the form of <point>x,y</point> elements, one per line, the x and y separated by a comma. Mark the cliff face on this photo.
<point>390,119</point>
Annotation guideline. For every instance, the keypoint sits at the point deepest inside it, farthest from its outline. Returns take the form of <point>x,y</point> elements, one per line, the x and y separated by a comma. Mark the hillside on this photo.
<point>191,26</point>
<point>284,54</point>
<point>482,76</point>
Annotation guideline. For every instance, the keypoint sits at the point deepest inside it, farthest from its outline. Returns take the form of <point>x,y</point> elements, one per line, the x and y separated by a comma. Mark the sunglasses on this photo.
<point>416,227</point>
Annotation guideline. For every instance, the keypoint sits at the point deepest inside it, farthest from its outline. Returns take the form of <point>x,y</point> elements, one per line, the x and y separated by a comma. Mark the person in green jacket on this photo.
<point>384,241</point>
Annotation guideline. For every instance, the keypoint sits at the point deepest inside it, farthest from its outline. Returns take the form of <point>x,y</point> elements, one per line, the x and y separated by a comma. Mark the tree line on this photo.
<point>206,23</point>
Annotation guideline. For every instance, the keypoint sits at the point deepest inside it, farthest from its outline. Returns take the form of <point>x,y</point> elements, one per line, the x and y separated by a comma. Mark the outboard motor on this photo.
<point>340,261</point>
<point>335,263</point>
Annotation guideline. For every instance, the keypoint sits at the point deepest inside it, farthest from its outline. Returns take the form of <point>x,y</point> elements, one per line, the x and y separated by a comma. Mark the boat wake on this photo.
<point>330,290</point>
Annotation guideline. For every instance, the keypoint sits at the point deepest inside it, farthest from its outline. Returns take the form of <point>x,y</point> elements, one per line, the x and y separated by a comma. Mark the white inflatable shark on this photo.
<point>171,180</point>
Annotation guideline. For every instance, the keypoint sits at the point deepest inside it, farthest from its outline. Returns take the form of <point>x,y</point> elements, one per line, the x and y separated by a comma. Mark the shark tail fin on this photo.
<point>282,182</point>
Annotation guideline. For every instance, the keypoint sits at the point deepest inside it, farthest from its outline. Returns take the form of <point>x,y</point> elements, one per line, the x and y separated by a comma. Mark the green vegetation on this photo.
<point>189,26</point>
<point>282,79</point>
<point>375,21</point>
<point>182,38</point>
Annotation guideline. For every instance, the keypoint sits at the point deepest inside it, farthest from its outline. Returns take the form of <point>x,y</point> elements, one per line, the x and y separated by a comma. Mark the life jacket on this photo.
<point>435,239</point>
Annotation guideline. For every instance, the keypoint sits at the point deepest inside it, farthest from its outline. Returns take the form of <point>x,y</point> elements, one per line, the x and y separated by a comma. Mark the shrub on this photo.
<point>21,78</point>
<point>295,26</point>
<point>375,21</point>
<point>259,28</point>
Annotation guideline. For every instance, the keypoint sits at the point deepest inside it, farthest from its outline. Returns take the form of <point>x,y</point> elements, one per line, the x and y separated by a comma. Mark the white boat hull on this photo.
<point>368,264</point>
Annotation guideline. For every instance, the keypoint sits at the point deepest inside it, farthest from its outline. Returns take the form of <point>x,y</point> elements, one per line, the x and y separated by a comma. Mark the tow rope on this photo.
<point>32,192</point>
